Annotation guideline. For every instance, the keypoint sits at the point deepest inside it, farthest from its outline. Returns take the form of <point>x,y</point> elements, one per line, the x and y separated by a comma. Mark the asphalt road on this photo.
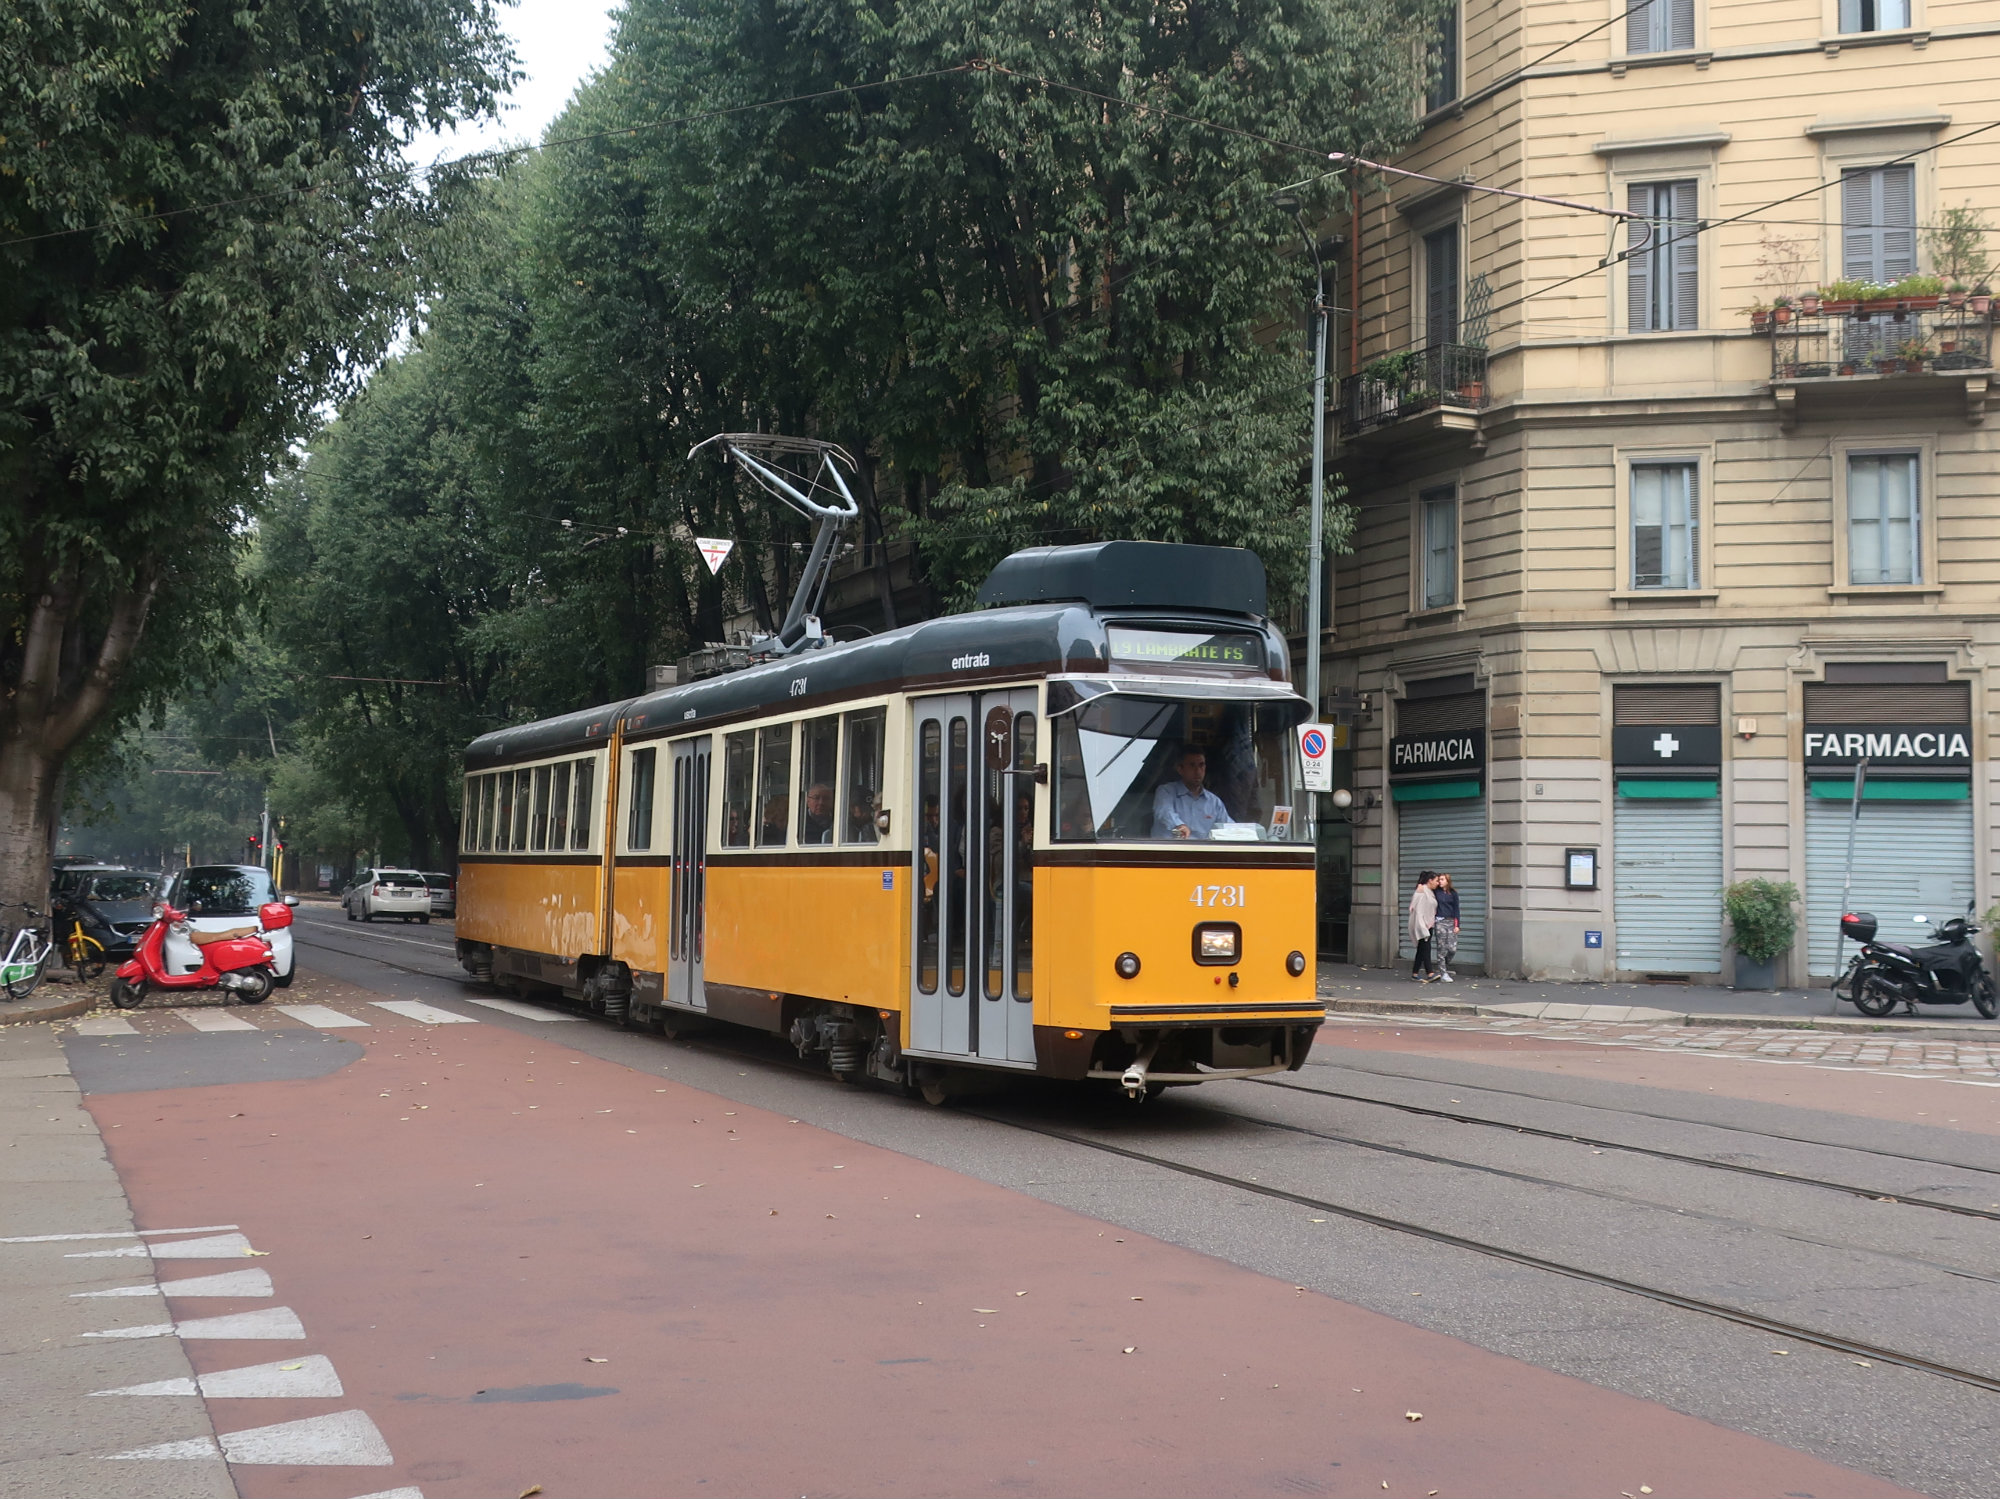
<point>1684,1231</point>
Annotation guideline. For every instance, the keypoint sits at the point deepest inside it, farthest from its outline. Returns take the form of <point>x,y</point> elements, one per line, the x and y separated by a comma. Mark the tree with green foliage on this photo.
<point>208,227</point>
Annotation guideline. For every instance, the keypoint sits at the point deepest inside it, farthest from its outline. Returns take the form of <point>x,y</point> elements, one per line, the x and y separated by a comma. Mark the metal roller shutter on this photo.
<point>1450,836</point>
<point>1666,873</point>
<point>1910,859</point>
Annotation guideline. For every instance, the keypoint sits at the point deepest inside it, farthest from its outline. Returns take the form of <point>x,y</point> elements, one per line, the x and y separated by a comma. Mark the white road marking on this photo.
<point>233,1283</point>
<point>416,1009</point>
<point>269,1324</point>
<point>515,1007</point>
<point>302,1378</point>
<point>321,1016</point>
<point>220,1247</point>
<point>346,1439</point>
<point>194,1447</point>
<point>410,1493</point>
<point>213,1020</point>
<point>104,1025</point>
<point>130,1233</point>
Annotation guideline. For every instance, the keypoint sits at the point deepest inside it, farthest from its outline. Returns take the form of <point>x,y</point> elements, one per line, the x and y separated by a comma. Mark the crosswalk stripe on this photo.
<point>212,1020</point>
<point>515,1007</point>
<point>321,1016</point>
<point>215,1247</point>
<point>346,1439</point>
<point>309,1377</point>
<point>104,1025</point>
<point>416,1009</point>
<point>230,1283</point>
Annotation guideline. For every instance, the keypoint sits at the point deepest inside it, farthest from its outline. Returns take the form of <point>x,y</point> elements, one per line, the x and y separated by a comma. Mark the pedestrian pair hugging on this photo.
<point>1433,927</point>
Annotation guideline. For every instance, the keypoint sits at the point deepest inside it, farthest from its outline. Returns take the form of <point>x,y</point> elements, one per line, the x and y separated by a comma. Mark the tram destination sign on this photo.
<point>1214,650</point>
<point>1883,745</point>
<point>1460,750</point>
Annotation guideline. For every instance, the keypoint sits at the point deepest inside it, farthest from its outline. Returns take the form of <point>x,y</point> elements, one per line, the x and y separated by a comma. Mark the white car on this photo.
<point>388,892</point>
<point>225,897</point>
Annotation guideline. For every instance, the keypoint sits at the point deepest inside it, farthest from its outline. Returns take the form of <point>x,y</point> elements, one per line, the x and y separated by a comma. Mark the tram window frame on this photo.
<point>927,864</point>
<point>523,791</point>
<point>739,786</point>
<point>559,807</point>
<point>489,790</point>
<point>538,819</point>
<point>817,735</point>
<point>774,753</point>
<point>862,829</point>
<point>639,803</point>
<point>503,811</point>
<point>583,814</point>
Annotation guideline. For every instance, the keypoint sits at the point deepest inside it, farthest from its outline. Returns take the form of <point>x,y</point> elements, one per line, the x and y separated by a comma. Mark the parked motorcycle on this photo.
<point>1886,974</point>
<point>238,961</point>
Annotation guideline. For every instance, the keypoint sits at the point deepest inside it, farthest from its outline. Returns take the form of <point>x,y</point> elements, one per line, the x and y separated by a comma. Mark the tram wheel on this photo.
<point>934,1086</point>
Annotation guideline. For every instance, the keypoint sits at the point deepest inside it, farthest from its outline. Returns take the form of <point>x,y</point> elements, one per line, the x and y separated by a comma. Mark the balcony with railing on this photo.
<point>1835,355</point>
<point>1447,378</point>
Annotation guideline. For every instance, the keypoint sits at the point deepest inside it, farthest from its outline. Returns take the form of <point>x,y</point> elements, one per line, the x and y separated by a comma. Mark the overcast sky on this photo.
<point>559,43</point>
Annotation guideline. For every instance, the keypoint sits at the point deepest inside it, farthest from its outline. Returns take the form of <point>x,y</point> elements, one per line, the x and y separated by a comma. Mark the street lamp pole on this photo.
<point>1316,546</point>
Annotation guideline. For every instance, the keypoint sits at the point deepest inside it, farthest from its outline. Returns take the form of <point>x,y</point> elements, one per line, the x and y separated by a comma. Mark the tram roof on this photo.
<point>992,644</point>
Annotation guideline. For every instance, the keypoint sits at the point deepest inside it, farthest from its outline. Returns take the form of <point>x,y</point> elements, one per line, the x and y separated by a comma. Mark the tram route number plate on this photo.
<point>1219,895</point>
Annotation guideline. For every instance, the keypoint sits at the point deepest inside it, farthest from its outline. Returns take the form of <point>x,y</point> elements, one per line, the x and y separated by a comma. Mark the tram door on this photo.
<point>972,886</point>
<point>686,897</point>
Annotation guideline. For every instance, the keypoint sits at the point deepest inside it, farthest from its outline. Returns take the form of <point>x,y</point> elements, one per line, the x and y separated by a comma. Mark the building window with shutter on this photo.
<point>1666,526</point>
<point>1660,26</point>
<point>1874,15</point>
<point>1878,223</point>
<point>1444,61</point>
<point>1437,511</point>
<point>1663,262</point>
<point>1884,520</point>
<point>1441,287</point>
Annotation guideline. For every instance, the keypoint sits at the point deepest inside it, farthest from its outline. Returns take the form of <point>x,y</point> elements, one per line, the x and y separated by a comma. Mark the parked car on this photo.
<point>65,878</point>
<point>225,898</point>
<point>444,893</point>
<point>113,906</point>
<point>388,892</point>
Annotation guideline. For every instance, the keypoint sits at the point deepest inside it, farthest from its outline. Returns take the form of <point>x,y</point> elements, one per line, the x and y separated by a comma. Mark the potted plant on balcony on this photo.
<point>1914,352</point>
<point>1955,294</point>
<point>1981,300</point>
<point>1762,924</point>
<point>1781,309</point>
<point>1957,245</point>
<point>1809,304</point>
<point>1760,316</point>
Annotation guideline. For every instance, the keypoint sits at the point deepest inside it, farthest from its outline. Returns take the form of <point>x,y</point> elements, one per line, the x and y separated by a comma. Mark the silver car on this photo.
<point>388,892</point>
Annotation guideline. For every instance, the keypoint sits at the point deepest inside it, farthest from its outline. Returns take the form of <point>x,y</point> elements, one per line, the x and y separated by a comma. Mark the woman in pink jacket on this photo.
<point>1423,916</point>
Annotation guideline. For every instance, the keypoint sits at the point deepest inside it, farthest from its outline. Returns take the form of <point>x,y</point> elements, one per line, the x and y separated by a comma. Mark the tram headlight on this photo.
<point>1218,942</point>
<point>1295,962</point>
<point>1127,965</point>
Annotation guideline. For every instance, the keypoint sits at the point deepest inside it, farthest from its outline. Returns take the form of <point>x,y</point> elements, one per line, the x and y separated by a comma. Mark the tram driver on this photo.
<point>1185,808</point>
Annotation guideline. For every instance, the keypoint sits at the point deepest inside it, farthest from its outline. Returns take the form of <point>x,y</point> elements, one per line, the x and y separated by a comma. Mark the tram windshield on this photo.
<point>1133,768</point>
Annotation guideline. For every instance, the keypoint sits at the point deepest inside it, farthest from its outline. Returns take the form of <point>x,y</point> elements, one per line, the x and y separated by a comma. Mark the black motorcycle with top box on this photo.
<point>1883,975</point>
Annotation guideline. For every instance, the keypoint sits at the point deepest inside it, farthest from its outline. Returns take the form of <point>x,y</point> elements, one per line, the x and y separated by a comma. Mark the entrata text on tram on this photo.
<point>1064,834</point>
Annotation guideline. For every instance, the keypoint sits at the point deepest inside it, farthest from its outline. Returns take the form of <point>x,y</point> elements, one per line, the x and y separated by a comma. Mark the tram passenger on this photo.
<point>777,810</point>
<point>1184,808</point>
<point>818,826</point>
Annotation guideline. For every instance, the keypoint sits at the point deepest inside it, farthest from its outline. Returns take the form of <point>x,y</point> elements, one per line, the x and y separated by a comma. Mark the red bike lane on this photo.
<point>533,1267</point>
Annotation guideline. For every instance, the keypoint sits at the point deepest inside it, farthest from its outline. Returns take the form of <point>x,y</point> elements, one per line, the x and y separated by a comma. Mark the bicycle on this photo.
<point>86,954</point>
<point>27,959</point>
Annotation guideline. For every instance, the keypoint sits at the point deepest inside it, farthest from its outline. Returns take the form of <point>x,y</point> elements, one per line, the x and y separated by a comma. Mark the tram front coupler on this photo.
<point>1134,1078</point>
<point>839,1031</point>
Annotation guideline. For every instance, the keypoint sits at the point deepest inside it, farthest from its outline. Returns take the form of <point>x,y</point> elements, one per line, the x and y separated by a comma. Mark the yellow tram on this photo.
<point>1061,834</point>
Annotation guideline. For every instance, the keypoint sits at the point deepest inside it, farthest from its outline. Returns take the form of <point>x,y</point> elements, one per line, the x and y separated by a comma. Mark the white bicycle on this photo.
<point>27,958</point>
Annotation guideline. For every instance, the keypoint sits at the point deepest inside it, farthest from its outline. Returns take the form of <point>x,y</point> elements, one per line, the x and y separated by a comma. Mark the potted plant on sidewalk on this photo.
<point>1762,924</point>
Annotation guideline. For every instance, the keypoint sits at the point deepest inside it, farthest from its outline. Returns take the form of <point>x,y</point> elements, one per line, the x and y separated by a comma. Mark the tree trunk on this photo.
<point>28,810</point>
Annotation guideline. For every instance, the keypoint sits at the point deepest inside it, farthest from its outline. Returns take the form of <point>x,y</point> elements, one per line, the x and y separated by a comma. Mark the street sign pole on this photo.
<point>1316,581</point>
<point>1847,879</point>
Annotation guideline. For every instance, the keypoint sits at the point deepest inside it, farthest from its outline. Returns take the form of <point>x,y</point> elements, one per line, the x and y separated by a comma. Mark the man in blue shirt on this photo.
<point>1183,809</point>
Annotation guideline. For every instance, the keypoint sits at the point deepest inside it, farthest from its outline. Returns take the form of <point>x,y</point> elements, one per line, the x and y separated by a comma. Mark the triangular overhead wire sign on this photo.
<point>714,552</point>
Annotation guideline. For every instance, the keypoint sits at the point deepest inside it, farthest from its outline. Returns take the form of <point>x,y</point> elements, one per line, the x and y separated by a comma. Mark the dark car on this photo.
<point>113,906</point>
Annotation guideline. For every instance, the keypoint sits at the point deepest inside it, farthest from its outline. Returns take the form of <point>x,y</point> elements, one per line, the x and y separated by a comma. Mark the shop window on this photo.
<point>774,783</point>
<point>1663,262</point>
<point>819,750</point>
<point>639,826</point>
<point>583,810</point>
<point>1438,520</point>
<point>1884,530</point>
<point>1874,15</point>
<point>864,776</point>
<point>1666,526</point>
<point>739,755</point>
<point>1443,87</point>
<point>1660,26</point>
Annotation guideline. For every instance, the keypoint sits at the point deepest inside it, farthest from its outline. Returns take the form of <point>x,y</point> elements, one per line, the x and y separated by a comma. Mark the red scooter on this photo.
<point>237,961</point>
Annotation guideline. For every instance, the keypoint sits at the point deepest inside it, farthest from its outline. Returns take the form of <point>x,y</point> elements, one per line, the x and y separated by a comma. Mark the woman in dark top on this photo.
<point>1444,932</point>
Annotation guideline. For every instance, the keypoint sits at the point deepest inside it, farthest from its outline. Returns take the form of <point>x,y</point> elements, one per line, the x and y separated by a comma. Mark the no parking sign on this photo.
<point>1316,756</point>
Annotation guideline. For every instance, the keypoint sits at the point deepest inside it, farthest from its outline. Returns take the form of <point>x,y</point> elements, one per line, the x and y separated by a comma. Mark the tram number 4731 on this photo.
<point>1219,895</point>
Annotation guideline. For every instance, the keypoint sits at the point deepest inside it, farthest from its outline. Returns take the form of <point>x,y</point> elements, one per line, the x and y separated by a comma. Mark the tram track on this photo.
<point>1722,1311</point>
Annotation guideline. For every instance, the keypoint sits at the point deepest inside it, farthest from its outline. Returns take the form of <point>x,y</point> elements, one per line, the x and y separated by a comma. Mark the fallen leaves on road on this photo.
<point>589,1360</point>
<point>533,1489</point>
<point>1407,1415</point>
<point>260,1254</point>
<point>1131,1350</point>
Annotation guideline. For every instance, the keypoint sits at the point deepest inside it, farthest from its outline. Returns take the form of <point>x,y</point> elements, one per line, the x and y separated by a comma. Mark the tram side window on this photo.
<point>819,747</point>
<point>522,786</point>
<point>540,838</point>
<point>503,808</point>
<point>639,832</point>
<point>864,776</point>
<point>559,808</point>
<point>739,754</point>
<point>581,819</point>
<point>487,786</point>
<point>774,782</point>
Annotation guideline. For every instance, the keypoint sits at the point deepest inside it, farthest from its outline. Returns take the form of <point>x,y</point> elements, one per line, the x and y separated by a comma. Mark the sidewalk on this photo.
<point>59,996</point>
<point>1391,991</point>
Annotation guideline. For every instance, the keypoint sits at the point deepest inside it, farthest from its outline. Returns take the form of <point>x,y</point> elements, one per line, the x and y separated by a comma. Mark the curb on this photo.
<point>1944,1030</point>
<point>68,1009</point>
